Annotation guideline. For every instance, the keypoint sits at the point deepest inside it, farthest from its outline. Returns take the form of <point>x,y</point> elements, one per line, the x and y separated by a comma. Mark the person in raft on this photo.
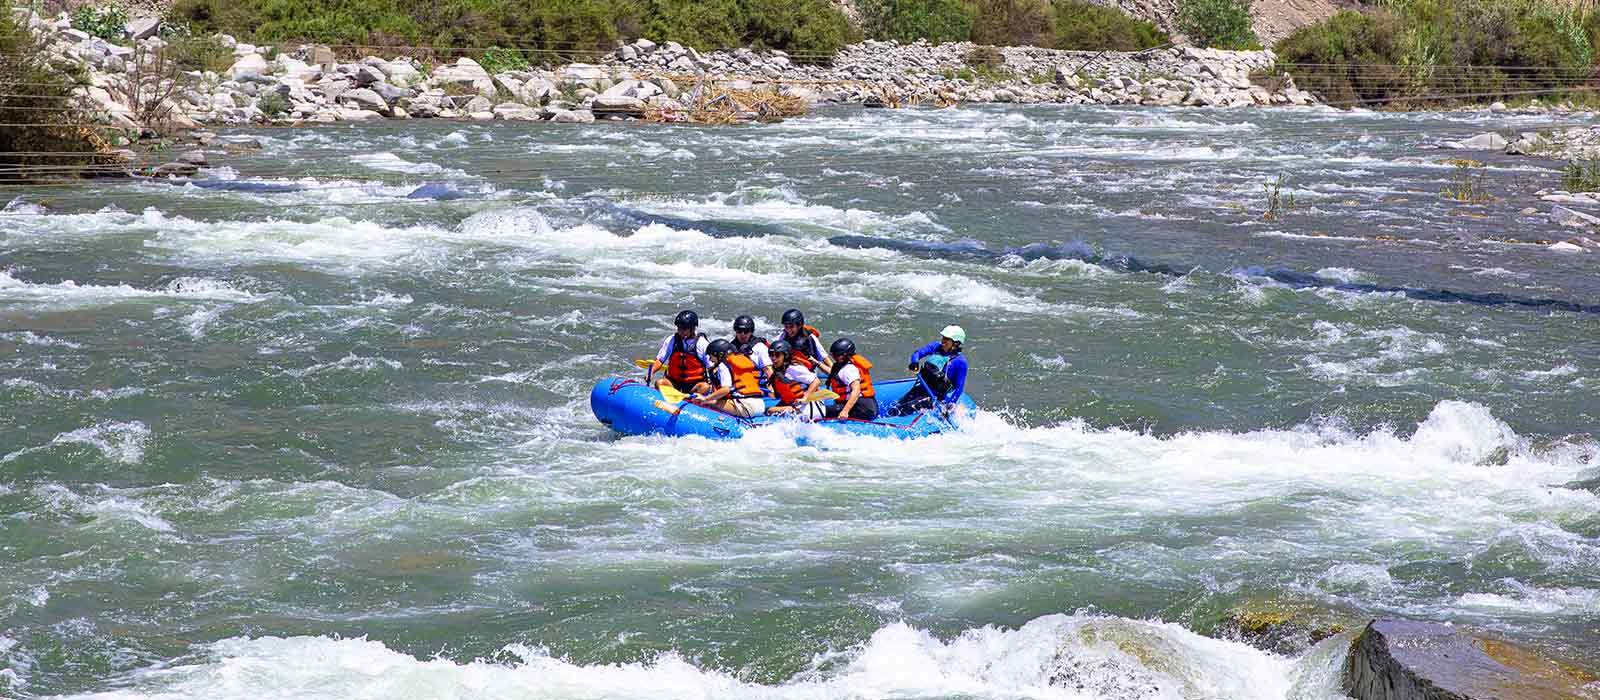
<point>851,379</point>
<point>747,343</point>
<point>792,382</point>
<point>805,340</point>
<point>942,368</point>
<point>735,382</point>
<point>683,355</point>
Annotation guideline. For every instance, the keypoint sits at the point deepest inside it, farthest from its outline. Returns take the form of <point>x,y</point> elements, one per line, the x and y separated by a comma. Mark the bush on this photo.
<point>273,104</point>
<point>499,60</point>
<point>1082,25</point>
<point>202,53</point>
<point>1222,24</point>
<point>1011,22</point>
<point>984,57</point>
<point>33,94</point>
<point>812,31</point>
<point>937,21</point>
<point>106,22</point>
<point>1426,52</point>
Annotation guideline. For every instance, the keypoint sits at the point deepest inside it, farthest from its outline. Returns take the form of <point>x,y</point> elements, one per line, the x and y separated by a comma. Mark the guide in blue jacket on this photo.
<point>943,369</point>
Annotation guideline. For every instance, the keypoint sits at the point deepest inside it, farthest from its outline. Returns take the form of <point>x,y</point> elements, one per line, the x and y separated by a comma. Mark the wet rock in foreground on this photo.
<point>1400,660</point>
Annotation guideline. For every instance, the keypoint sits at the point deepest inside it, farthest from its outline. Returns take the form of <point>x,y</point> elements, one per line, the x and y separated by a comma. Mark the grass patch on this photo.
<point>1466,185</point>
<point>1581,177</point>
<point>1278,202</point>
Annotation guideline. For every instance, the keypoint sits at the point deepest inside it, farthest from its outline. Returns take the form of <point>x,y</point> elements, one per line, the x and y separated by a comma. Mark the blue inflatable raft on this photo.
<point>630,407</point>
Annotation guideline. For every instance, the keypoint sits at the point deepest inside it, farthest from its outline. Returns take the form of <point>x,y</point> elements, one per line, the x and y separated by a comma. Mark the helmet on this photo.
<point>744,323</point>
<point>687,319</point>
<point>719,347</point>
<point>795,317</point>
<point>779,346</point>
<point>954,333</point>
<point>842,346</point>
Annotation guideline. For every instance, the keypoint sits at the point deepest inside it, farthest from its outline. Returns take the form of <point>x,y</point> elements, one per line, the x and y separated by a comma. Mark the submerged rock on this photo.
<point>1401,660</point>
<point>1283,627</point>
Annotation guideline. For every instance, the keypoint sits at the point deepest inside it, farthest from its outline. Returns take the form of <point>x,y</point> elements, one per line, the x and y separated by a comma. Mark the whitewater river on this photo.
<point>318,425</point>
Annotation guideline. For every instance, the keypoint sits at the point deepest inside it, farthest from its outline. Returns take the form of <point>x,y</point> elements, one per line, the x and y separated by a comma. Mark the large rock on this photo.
<point>362,98</point>
<point>143,28</point>
<point>367,75</point>
<point>618,105</point>
<point>1283,626</point>
<point>1400,660</point>
<point>1484,142</point>
<point>248,63</point>
<point>464,71</point>
<point>573,116</point>
<point>1573,218</point>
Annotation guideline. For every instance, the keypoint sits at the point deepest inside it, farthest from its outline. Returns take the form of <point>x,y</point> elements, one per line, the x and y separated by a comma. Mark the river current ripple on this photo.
<point>316,426</point>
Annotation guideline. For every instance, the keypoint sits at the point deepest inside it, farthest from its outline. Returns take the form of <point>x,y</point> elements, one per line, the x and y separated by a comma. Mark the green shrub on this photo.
<point>105,22</point>
<point>273,104</point>
<point>1082,25</point>
<point>1223,24</point>
<point>200,52</point>
<point>981,57</point>
<point>812,31</point>
<point>937,21</point>
<point>1423,52</point>
<point>1578,177</point>
<point>499,60</point>
<point>32,93</point>
<point>1011,22</point>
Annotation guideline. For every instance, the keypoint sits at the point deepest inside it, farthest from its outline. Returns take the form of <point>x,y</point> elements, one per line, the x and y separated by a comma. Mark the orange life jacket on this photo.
<point>789,393</point>
<point>806,350</point>
<point>746,378</point>
<point>842,389</point>
<point>683,360</point>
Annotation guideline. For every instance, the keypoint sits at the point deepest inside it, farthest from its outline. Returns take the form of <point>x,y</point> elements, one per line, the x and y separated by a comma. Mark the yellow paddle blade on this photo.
<point>819,395</point>
<point>646,364</point>
<point>672,395</point>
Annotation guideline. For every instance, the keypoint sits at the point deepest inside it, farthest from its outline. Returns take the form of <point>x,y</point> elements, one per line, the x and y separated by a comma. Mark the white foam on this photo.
<point>390,162</point>
<point>1534,601</point>
<point>1057,656</point>
<point>121,442</point>
<point>70,294</point>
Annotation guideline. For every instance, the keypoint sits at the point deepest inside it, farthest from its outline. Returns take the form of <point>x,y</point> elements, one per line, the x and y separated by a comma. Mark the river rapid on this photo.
<point>316,426</point>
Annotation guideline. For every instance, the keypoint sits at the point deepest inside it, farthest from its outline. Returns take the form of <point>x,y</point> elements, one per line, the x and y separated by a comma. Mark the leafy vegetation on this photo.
<point>1081,25</point>
<point>53,139</point>
<point>545,31</point>
<point>1413,53</point>
<point>1278,201</point>
<point>273,104</point>
<point>1580,177</point>
<point>104,22</point>
<point>1012,23</point>
<point>1221,24</point>
<point>908,20</point>
<point>498,60</point>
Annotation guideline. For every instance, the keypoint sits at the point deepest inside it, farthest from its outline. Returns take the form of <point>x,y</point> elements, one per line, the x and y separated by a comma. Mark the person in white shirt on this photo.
<point>746,342</point>
<point>683,356</point>
<point>791,383</point>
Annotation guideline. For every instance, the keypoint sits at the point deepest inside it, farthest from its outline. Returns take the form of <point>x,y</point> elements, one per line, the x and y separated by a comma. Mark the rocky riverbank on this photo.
<point>129,83</point>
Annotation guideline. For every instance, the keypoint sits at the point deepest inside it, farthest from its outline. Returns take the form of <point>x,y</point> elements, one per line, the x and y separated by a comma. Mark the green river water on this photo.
<point>317,425</point>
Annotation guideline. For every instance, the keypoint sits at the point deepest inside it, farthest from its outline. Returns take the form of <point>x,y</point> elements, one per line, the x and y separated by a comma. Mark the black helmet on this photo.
<point>779,346</point>
<point>795,317</point>
<point>687,319</point>
<point>744,323</point>
<point>719,348</point>
<point>842,346</point>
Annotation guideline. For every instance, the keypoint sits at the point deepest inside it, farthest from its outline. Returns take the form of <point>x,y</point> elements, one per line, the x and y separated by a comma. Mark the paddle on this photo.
<point>649,367</point>
<point>672,395</point>
<point>935,399</point>
<point>818,395</point>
